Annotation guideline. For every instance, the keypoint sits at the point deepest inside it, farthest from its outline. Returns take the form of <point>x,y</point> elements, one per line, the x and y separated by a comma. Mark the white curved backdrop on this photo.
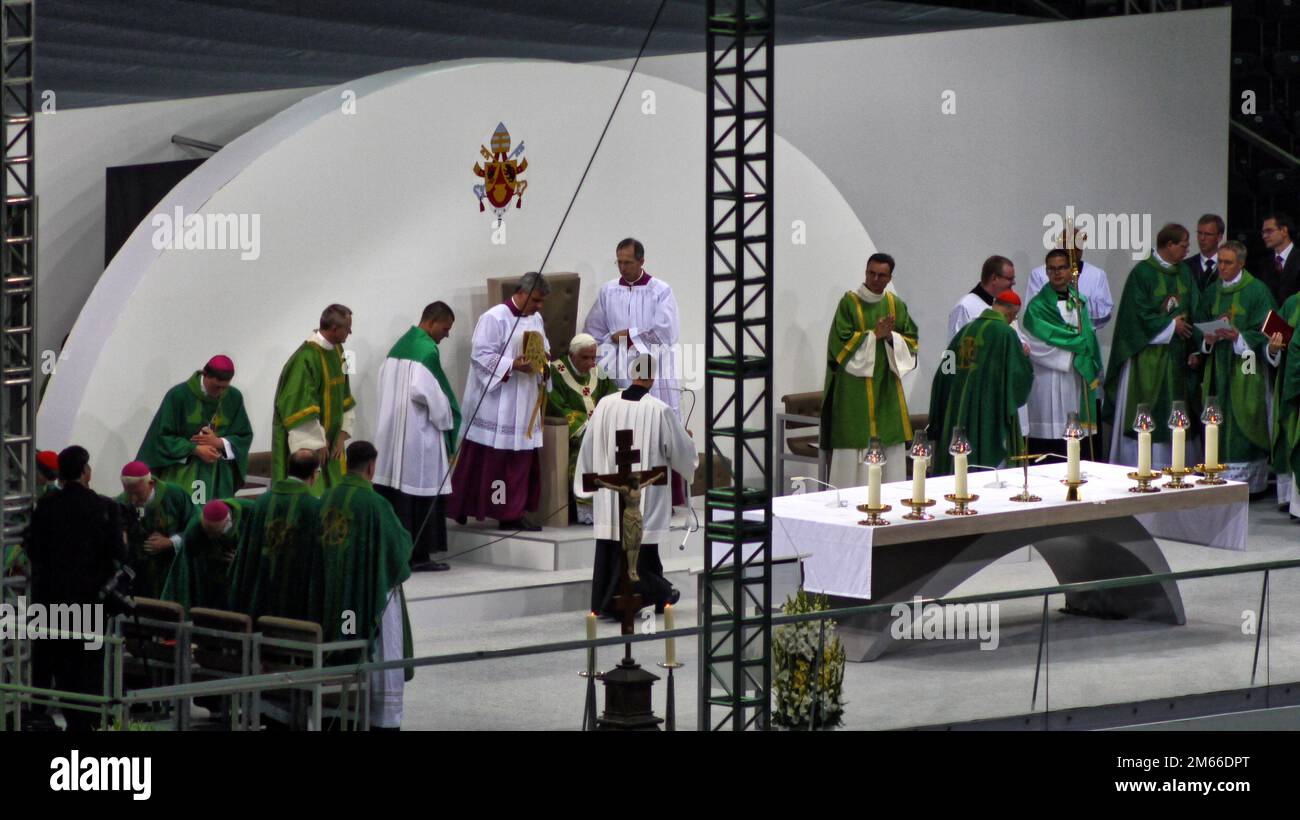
<point>374,209</point>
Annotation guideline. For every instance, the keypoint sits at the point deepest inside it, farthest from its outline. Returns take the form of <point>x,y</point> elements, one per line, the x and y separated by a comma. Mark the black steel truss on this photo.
<point>736,591</point>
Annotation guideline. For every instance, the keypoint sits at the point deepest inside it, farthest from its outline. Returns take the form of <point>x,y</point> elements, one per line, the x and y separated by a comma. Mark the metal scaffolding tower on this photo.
<point>736,588</point>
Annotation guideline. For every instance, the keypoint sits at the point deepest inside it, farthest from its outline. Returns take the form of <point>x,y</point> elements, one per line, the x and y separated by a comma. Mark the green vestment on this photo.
<point>418,346</point>
<point>200,575</point>
<point>312,386</point>
<point>855,409</point>
<point>1240,385</point>
<point>989,377</point>
<point>278,565</point>
<point>1286,427</point>
<point>1043,320</point>
<point>367,555</point>
<point>168,451</point>
<point>1158,375</point>
<point>168,512</point>
<point>575,397</point>
<point>1290,400</point>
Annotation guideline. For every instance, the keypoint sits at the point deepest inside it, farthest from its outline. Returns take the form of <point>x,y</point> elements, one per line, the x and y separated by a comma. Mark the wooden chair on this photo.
<point>223,648</point>
<point>289,645</point>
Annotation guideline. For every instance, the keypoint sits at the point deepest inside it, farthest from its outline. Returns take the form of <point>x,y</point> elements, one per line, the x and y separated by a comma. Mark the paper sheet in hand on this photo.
<point>1209,328</point>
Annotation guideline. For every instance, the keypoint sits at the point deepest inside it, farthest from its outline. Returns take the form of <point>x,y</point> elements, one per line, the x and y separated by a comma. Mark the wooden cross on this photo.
<point>626,602</point>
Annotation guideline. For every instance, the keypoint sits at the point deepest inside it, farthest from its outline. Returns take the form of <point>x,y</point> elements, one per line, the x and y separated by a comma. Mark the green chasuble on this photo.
<point>367,555</point>
<point>168,512</point>
<point>991,378</point>
<point>1043,320</point>
<point>854,408</point>
<point>1286,415</point>
<point>168,451</point>
<point>1159,375</point>
<point>200,575</point>
<point>575,397</point>
<point>418,346</point>
<point>312,386</point>
<point>1242,396</point>
<point>278,564</point>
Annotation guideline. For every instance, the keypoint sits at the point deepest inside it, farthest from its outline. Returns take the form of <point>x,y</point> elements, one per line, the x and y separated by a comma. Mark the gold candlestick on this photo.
<point>1143,482</point>
<point>963,504</point>
<point>1072,494</point>
<point>873,518</point>
<point>918,512</point>
<point>1024,495</point>
<point>1211,473</point>
<point>1176,478</point>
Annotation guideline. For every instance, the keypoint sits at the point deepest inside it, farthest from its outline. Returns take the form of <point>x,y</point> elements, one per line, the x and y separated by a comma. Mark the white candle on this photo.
<point>1211,445</point>
<point>1072,452</point>
<point>1144,454</point>
<point>918,480</point>
<point>873,485</point>
<point>959,470</point>
<point>591,626</point>
<point>1180,447</point>
<point>671,649</point>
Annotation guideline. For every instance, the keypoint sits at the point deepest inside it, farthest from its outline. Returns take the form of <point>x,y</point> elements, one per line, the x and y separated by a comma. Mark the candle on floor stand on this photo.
<point>918,480</point>
<point>670,649</point>
<point>873,485</point>
<point>959,471</point>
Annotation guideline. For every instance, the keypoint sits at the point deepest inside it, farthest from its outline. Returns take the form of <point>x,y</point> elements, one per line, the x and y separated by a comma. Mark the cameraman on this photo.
<point>74,545</point>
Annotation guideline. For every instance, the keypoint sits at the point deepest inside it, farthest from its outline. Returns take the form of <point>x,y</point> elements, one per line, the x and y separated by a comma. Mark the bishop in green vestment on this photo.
<point>1234,373</point>
<point>1286,416</point>
<point>577,385</point>
<point>313,401</point>
<point>982,381</point>
<point>163,511</point>
<point>201,434</point>
<point>200,574</point>
<point>367,553</point>
<point>1288,452</point>
<point>278,566</point>
<point>1152,351</point>
<point>871,345</point>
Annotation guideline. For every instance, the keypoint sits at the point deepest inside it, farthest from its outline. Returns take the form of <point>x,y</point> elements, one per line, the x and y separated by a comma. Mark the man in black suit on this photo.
<point>74,544</point>
<point>1204,264</point>
<point>1281,271</point>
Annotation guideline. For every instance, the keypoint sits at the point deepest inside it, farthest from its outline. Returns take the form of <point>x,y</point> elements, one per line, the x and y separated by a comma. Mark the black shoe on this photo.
<point>673,598</point>
<point>520,524</point>
<point>430,566</point>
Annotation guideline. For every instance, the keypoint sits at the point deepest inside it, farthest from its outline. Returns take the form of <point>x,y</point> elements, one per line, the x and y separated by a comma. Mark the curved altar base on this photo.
<point>1113,548</point>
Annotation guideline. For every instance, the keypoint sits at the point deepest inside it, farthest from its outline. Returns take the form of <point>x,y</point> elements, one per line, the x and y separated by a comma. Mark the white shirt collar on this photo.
<point>865,294</point>
<point>1214,259</point>
<point>320,340</point>
<point>1236,280</point>
<point>1285,253</point>
<point>1156,255</point>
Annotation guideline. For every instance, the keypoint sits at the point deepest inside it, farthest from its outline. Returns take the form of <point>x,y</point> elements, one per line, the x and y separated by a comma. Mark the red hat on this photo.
<point>1009,296</point>
<point>48,459</point>
<point>219,365</point>
<point>135,470</point>
<point>216,511</point>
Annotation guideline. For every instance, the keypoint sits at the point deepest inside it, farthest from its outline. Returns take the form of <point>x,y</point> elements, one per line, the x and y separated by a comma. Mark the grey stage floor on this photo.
<point>1090,662</point>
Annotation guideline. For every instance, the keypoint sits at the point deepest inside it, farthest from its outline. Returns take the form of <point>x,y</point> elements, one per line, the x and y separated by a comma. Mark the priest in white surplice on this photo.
<point>635,315</point>
<point>662,441</point>
<point>1066,359</point>
<point>498,469</point>
<point>1093,285</point>
<point>416,432</point>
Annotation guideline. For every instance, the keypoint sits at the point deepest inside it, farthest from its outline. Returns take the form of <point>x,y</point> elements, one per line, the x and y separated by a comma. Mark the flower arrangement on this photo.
<point>794,659</point>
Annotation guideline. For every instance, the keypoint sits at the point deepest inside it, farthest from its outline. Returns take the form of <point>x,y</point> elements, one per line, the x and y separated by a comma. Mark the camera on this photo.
<point>115,595</point>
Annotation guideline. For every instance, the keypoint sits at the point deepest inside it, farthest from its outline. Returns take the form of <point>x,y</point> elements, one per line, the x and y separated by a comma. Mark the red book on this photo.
<point>1276,324</point>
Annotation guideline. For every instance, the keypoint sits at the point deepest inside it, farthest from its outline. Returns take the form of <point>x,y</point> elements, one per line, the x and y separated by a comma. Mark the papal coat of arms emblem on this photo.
<point>500,173</point>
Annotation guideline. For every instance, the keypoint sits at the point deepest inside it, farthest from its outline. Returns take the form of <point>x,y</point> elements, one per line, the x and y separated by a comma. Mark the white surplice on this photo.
<point>386,686</point>
<point>662,440</point>
<point>508,395</point>
<point>1058,387</point>
<point>1093,286</point>
<point>414,413</point>
<point>310,435</point>
<point>646,309</point>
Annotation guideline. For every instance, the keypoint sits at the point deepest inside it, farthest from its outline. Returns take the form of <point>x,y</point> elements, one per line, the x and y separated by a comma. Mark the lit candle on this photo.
<point>591,626</point>
<point>1211,445</point>
<point>873,486</point>
<point>959,470</point>
<point>918,480</point>
<point>671,649</point>
<point>1072,452</point>
<point>1144,454</point>
<point>1180,447</point>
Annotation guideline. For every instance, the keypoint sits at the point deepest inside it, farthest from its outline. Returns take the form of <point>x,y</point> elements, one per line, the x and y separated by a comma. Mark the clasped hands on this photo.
<point>208,446</point>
